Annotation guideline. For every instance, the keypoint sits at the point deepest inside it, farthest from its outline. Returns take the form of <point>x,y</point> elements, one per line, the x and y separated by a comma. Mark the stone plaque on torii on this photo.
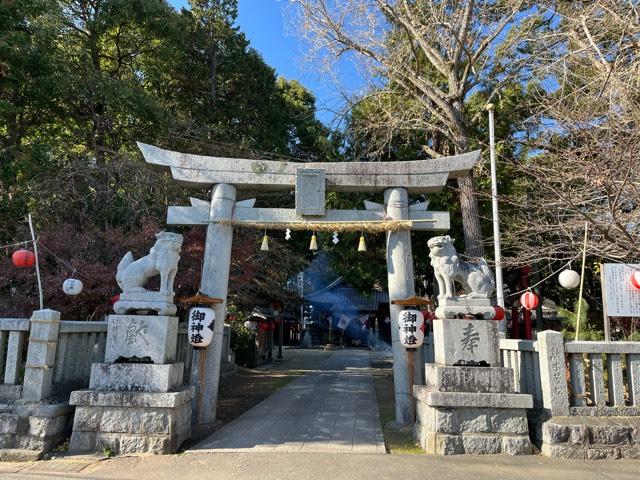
<point>310,180</point>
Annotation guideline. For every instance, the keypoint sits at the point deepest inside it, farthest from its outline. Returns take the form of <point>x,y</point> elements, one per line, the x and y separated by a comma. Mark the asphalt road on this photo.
<point>318,466</point>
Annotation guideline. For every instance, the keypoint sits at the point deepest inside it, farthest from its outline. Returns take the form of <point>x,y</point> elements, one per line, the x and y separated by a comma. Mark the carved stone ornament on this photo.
<point>475,278</point>
<point>133,275</point>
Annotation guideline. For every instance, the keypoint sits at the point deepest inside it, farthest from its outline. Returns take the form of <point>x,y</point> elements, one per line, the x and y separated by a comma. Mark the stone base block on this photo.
<point>466,342</point>
<point>36,427</point>
<point>464,302</point>
<point>472,400</point>
<point>469,379</point>
<point>136,377</point>
<point>10,392</point>
<point>141,338</point>
<point>145,301</point>
<point>476,431</point>
<point>459,312</point>
<point>131,422</point>
<point>591,438</point>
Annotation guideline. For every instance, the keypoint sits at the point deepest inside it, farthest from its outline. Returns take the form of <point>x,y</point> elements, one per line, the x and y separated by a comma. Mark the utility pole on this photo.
<point>35,252</point>
<point>494,207</point>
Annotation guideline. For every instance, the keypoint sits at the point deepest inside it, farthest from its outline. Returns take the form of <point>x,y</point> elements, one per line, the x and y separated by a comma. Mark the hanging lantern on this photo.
<point>409,326</point>
<point>265,243</point>
<point>423,327</point>
<point>635,279</point>
<point>314,242</point>
<point>23,258</point>
<point>529,300</point>
<point>263,327</point>
<point>114,299</point>
<point>569,279</point>
<point>72,286</point>
<point>200,326</point>
<point>251,324</point>
<point>362,246</point>
<point>499,313</point>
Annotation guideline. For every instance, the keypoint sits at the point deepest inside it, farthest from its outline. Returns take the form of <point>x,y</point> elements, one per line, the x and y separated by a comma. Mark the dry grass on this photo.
<point>397,441</point>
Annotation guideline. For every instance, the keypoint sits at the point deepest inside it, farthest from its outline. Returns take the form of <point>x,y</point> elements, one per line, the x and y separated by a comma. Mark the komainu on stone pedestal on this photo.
<point>136,401</point>
<point>469,403</point>
<point>476,278</point>
<point>133,275</point>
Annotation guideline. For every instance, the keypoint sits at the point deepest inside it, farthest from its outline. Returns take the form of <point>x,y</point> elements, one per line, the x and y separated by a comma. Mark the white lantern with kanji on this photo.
<point>72,286</point>
<point>409,325</point>
<point>201,320</point>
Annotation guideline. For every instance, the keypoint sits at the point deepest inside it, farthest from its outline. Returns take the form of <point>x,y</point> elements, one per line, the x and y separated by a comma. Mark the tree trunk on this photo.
<point>470,217</point>
<point>98,111</point>
<point>469,208</point>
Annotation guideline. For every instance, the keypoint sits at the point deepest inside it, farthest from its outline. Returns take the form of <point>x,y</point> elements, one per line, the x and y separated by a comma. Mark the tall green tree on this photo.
<point>424,58</point>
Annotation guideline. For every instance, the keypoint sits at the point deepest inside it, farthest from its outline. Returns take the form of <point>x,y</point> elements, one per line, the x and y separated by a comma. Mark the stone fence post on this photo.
<point>41,355</point>
<point>555,394</point>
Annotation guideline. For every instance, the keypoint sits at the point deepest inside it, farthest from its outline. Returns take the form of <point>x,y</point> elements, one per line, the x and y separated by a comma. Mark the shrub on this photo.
<point>243,343</point>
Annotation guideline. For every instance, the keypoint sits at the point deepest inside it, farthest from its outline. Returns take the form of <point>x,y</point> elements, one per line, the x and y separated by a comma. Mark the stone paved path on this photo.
<point>332,410</point>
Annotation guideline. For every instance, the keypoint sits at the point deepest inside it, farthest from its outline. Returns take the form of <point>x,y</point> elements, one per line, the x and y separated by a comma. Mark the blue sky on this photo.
<point>264,24</point>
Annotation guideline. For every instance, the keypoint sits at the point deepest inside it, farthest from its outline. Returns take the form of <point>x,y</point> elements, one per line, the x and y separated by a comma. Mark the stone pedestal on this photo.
<point>132,405</point>
<point>469,404</point>
<point>458,307</point>
<point>141,338</point>
<point>472,410</point>
<point>132,302</point>
<point>131,422</point>
<point>466,342</point>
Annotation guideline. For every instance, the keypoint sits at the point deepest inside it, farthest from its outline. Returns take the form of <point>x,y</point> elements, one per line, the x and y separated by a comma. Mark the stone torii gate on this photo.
<point>311,180</point>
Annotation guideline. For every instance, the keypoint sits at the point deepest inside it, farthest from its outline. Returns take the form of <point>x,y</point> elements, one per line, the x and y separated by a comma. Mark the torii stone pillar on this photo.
<point>401,285</point>
<point>205,370</point>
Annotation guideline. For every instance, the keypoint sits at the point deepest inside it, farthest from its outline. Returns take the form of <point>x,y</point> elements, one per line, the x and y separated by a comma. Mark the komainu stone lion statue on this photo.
<point>476,278</point>
<point>132,276</point>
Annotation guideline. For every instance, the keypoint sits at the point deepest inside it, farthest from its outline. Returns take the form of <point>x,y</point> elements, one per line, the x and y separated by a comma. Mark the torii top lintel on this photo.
<point>418,176</point>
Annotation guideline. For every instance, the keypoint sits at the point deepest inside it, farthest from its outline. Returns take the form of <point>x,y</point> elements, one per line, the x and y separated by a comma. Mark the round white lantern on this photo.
<point>409,325</point>
<point>251,324</point>
<point>200,326</point>
<point>72,286</point>
<point>569,279</point>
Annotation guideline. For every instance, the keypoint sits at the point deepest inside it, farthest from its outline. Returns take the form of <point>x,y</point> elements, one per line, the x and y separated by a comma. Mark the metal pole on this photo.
<point>607,327</point>
<point>494,207</point>
<point>410,381</point>
<point>35,252</point>
<point>584,259</point>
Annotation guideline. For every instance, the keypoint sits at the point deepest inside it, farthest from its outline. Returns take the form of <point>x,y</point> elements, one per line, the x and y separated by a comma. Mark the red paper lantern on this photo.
<point>423,327</point>
<point>23,258</point>
<point>499,315</point>
<point>529,300</point>
<point>635,279</point>
<point>263,327</point>
<point>114,299</point>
